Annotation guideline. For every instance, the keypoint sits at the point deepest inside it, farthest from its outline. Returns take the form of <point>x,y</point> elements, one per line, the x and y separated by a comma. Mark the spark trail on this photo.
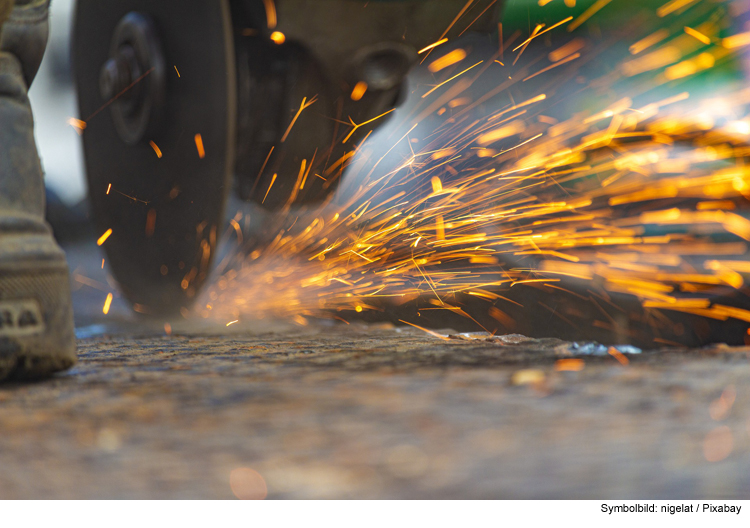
<point>598,185</point>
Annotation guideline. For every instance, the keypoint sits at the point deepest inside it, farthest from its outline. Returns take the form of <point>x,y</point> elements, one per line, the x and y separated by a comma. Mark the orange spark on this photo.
<point>672,6</point>
<point>526,42</point>
<point>278,37</point>
<point>199,146</point>
<point>435,334</point>
<point>569,365</point>
<point>739,40</point>
<point>78,125</point>
<point>453,23</point>
<point>452,78</point>
<point>437,185</point>
<point>156,149</point>
<point>591,11</point>
<point>359,91</point>
<point>123,92</point>
<point>273,180</point>
<point>548,68</point>
<point>433,45</point>
<point>478,17</point>
<point>647,42</point>
<point>357,126</point>
<point>540,33</point>
<point>449,59</point>
<point>107,304</point>
<point>688,67</point>
<point>440,228</point>
<point>104,237</point>
<point>271,17</point>
<point>302,177</point>
<point>619,356</point>
<point>302,107</point>
<point>697,35</point>
<point>511,129</point>
<point>568,49</point>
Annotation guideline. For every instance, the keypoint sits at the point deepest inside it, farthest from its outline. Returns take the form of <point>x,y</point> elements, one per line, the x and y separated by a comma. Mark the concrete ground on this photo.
<point>367,411</point>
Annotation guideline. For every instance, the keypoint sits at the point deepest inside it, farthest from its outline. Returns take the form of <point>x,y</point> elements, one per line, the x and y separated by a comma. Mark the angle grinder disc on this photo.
<point>163,197</point>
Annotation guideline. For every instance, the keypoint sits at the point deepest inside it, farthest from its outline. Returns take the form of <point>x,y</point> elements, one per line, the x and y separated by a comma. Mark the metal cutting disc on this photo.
<point>160,188</point>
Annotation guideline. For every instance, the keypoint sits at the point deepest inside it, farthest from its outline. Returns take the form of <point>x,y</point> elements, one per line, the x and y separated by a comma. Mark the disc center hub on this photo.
<point>133,79</point>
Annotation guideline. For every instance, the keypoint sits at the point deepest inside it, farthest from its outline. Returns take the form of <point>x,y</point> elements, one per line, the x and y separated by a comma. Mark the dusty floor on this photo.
<point>369,412</point>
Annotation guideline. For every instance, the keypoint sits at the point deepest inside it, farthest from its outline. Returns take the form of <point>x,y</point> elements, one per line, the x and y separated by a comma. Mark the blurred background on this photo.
<point>53,99</point>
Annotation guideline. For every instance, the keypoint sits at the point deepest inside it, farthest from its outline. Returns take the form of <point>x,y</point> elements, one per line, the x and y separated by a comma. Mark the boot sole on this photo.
<point>37,335</point>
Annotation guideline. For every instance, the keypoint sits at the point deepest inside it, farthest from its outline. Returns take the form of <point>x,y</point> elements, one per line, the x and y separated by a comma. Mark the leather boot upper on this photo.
<point>25,34</point>
<point>5,7</point>
<point>21,179</point>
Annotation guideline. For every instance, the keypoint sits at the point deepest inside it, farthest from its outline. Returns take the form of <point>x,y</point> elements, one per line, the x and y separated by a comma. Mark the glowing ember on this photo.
<point>433,45</point>
<point>107,304</point>
<point>570,365</point>
<point>359,91</point>
<point>104,237</point>
<point>271,17</point>
<point>78,125</point>
<point>199,146</point>
<point>446,60</point>
<point>157,150</point>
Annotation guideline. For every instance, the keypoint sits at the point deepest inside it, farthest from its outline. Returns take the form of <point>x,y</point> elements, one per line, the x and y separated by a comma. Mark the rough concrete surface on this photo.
<point>369,412</point>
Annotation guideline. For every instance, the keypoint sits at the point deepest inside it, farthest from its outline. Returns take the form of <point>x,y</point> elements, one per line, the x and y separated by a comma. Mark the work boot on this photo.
<point>36,316</point>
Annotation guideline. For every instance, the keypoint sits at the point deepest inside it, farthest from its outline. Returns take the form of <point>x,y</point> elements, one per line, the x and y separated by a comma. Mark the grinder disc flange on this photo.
<point>162,196</point>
